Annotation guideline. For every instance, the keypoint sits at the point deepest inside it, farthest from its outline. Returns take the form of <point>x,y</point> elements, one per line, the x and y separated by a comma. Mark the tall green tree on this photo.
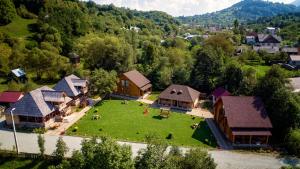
<point>41,143</point>
<point>232,77</point>
<point>103,82</point>
<point>198,159</point>
<point>7,11</point>
<point>61,150</point>
<point>208,65</point>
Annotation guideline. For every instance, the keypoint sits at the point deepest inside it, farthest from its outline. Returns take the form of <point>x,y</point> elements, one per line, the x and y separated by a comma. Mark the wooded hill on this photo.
<point>246,10</point>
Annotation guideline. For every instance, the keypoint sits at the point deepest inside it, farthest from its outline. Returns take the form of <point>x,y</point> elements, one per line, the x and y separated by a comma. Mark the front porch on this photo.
<point>175,104</point>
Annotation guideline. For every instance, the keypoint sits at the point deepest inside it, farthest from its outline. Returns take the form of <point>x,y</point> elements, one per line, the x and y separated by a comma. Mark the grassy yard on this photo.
<point>127,122</point>
<point>22,163</point>
<point>18,28</point>
<point>153,96</point>
<point>260,69</point>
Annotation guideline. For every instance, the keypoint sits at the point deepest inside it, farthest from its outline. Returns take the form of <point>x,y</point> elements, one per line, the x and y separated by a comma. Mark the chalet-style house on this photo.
<point>294,60</point>
<point>134,84</point>
<point>243,120</point>
<point>7,98</point>
<point>39,108</point>
<point>295,84</point>
<point>74,87</point>
<point>179,97</point>
<point>219,92</point>
<point>268,40</point>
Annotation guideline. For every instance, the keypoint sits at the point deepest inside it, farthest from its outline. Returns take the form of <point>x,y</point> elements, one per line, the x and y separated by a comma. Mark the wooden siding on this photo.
<point>132,90</point>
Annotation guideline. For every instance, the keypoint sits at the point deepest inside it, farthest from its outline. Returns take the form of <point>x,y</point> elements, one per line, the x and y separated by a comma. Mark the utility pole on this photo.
<point>14,127</point>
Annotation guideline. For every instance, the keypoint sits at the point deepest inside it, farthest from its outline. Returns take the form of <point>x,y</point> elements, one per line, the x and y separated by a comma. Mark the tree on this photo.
<point>232,77</point>
<point>77,160</point>
<point>221,41</point>
<point>5,54</point>
<point>61,150</point>
<point>103,82</point>
<point>153,156</point>
<point>107,154</point>
<point>7,11</point>
<point>198,159</point>
<point>293,142</point>
<point>249,82</point>
<point>207,67</point>
<point>282,106</point>
<point>110,53</point>
<point>41,143</point>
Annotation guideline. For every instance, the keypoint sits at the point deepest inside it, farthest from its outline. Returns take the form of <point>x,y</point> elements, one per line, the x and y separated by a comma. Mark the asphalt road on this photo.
<point>224,159</point>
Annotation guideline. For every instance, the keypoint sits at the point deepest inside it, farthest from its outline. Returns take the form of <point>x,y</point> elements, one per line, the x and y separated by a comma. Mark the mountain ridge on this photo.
<point>244,11</point>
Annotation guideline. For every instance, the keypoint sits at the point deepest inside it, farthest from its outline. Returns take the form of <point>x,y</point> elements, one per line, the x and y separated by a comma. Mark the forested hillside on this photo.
<point>245,10</point>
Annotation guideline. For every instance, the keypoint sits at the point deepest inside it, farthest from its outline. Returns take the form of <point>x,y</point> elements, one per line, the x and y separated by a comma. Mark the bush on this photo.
<point>293,143</point>
<point>75,129</point>
<point>170,136</point>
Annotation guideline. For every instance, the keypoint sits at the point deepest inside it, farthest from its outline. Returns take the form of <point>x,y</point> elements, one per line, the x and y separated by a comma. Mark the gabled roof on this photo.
<point>295,57</point>
<point>18,72</point>
<point>266,38</point>
<point>220,91</point>
<point>10,97</point>
<point>137,78</point>
<point>68,85</point>
<point>54,96</point>
<point>34,104</point>
<point>245,112</point>
<point>180,93</point>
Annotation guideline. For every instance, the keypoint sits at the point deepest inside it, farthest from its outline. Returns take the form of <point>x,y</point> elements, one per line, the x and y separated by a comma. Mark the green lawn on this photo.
<point>22,163</point>
<point>127,122</point>
<point>260,69</point>
<point>19,27</point>
<point>153,96</point>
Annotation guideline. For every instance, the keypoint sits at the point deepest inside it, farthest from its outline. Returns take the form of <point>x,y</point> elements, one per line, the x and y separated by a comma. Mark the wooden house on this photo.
<point>74,87</point>
<point>39,108</point>
<point>134,84</point>
<point>179,97</point>
<point>243,120</point>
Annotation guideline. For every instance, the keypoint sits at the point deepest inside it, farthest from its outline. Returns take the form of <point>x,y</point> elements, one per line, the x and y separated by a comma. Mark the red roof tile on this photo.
<point>10,97</point>
<point>245,112</point>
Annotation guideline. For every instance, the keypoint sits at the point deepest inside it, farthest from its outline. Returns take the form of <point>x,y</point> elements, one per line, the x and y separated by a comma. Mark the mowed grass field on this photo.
<point>127,122</point>
<point>18,28</point>
<point>22,163</point>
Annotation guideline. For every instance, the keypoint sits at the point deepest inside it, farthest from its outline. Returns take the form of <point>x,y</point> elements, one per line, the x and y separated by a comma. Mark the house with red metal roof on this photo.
<point>134,84</point>
<point>219,92</point>
<point>243,120</point>
<point>9,97</point>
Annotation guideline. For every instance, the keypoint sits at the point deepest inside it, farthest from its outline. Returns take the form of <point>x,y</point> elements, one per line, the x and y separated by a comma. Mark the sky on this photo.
<point>177,7</point>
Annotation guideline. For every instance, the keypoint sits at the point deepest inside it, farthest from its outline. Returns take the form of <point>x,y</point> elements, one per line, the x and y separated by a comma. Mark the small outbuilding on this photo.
<point>18,75</point>
<point>179,97</point>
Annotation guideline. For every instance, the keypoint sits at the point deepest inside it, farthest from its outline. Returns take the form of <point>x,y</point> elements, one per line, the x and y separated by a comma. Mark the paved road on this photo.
<point>224,159</point>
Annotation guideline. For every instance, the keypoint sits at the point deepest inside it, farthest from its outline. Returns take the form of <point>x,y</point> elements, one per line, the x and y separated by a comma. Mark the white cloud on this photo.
<point>177,7</point>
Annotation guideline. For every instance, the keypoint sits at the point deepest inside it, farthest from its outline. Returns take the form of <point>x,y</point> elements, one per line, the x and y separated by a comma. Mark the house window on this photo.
<point>123,82</point>
<point>126,83</point>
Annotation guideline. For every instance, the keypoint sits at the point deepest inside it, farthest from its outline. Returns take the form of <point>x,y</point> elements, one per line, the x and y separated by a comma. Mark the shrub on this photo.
<point>170,136</point>
<point>75,129</point>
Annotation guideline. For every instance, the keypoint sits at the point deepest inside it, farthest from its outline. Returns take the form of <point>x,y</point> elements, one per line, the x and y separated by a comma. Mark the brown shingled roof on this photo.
<point>180,93</point>
<point>137,78</point>
<point>245,112</point>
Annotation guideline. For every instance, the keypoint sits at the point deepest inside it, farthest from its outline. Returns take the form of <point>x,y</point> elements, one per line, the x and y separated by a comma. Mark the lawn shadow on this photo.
<point>203,134</point>
<point>158,117</point>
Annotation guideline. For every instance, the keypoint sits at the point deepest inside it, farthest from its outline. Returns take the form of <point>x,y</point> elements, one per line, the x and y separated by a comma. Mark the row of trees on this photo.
<point>108,154</point>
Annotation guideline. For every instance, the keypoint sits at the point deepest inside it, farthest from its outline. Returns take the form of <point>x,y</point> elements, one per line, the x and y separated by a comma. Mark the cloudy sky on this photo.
<point>177,7</point>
